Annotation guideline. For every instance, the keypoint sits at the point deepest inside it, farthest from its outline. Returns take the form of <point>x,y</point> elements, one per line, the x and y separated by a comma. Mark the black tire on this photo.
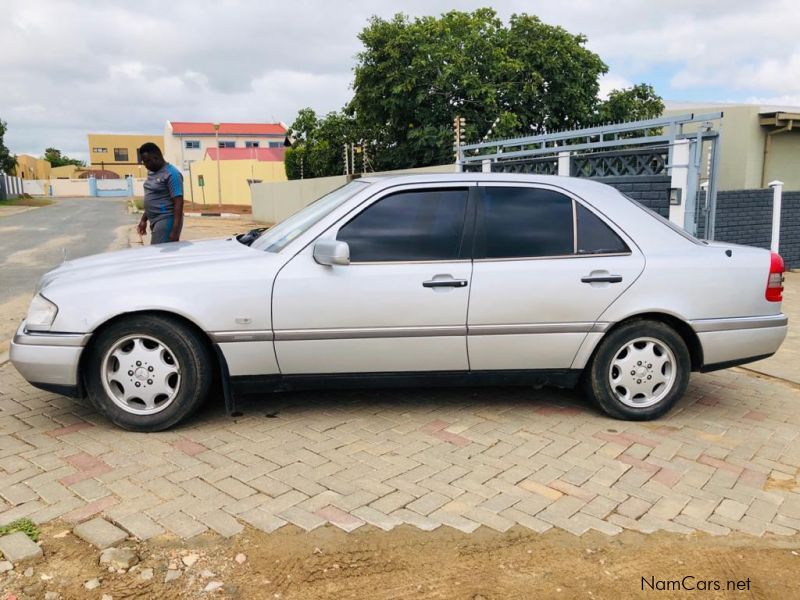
<point>191,354</point>
<point>597,380</point>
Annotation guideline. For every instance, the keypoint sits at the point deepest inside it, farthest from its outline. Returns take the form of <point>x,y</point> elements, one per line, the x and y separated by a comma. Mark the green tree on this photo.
<point>56,159</point>
<point>413,77</point>
<point>7,160</point>
<point>630,104</point>
<point>319,144</point>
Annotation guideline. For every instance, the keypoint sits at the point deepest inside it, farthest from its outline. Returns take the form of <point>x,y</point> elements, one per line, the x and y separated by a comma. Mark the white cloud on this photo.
<point>610,82</point>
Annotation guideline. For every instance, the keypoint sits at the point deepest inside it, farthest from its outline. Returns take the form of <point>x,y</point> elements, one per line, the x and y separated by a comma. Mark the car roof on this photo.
<point>578,186</point>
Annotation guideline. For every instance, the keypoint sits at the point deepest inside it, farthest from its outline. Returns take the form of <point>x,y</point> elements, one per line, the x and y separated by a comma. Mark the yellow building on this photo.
<point>30,167</point>
<point>67,172</point>
<point>118,153</point>
<point>238,168</point>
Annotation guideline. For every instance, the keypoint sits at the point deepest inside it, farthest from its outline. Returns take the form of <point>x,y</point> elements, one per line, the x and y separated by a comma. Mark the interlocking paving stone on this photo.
<point>100,533</point>
<point>17,547</point>
<point>724,460</point>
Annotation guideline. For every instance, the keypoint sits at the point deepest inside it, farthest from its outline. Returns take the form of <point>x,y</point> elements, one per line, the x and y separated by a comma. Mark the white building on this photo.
<point>185,142</point>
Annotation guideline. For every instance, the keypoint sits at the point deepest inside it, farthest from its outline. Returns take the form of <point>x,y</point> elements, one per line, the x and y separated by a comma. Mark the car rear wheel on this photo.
<point>639,371</point>
<point>148,372</point>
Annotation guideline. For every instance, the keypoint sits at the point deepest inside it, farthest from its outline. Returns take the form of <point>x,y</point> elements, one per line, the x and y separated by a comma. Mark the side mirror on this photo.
<point>331,252</point>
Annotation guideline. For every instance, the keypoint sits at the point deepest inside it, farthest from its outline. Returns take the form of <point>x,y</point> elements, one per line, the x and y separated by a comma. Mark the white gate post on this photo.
<point>486,165</point>
<point>777,195</point>
<point>563,164</point>
<point>679,173</point>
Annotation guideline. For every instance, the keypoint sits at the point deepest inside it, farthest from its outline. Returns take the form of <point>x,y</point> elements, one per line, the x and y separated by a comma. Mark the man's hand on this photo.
<point>174,235</point>
<point>142,227</point>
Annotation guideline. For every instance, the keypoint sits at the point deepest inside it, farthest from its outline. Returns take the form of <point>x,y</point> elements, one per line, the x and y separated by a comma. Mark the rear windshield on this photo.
<point>676,228</point>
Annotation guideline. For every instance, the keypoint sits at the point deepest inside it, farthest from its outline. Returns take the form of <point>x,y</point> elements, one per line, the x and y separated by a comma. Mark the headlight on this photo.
<point>41,313</point>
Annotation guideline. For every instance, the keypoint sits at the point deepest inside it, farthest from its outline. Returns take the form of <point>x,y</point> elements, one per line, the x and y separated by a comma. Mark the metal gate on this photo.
<point>680,154</point>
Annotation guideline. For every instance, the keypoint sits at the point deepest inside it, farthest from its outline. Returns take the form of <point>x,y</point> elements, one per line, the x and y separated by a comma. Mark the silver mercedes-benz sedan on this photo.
<point>409,280</point>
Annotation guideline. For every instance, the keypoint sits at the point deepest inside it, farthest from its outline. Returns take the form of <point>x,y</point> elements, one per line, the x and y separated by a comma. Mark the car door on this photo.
<point>546,266</point>
<point>401,303</point>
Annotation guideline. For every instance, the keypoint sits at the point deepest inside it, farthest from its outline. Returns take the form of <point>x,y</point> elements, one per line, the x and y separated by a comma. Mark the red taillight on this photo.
<point>775,280</point>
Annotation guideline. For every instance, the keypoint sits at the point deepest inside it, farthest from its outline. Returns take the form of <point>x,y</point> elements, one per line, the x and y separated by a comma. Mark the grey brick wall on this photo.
<point>745,217</point>
<point>650,190</point>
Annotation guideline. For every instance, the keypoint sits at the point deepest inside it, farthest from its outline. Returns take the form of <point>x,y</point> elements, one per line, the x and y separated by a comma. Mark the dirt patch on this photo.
<point>409,563</point>
<point>43,253</point>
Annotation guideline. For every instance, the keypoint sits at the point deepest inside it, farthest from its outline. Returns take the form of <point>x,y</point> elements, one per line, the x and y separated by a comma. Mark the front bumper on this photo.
<point>49,360</point>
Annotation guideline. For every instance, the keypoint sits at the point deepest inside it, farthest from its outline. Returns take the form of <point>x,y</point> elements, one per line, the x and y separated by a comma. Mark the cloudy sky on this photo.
<point>71,67</point>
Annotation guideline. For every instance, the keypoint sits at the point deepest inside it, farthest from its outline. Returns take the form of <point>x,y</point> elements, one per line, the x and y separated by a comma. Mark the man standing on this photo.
<point>163,197</point>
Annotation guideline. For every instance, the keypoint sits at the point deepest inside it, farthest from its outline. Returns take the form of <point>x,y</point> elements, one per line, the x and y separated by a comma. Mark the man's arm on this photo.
<point>142,226</point>
<point>175,185</point>
<point>177,223</point>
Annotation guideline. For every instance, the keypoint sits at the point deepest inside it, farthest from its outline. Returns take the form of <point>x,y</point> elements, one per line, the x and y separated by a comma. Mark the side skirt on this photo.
<point>251,385</point>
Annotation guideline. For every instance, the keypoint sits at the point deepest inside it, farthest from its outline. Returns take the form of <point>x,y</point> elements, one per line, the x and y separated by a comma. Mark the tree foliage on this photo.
<point>7,160</point>
<point>319,147</point>
<point>414,76</point>
<point>632,104</point>
<point>56,159</point>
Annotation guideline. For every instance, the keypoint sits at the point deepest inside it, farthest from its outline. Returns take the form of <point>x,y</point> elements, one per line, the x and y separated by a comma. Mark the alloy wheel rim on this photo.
<point>141,374</point>
<point>643,372</point>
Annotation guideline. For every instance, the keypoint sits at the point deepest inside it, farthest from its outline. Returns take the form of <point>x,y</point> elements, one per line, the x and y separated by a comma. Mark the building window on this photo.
<point>276,144</point>
<point>121,154</point>
<point>192,144</point>
<point>227,144</point>
<point>251,144</point>
<point>100,150</point>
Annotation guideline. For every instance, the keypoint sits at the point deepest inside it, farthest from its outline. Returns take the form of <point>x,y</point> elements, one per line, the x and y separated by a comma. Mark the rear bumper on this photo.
<point>730,342</point>
<point>49,360</point>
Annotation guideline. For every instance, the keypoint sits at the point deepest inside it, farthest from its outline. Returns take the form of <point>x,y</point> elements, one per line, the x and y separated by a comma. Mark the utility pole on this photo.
<point>219,178</point>
<point>459,130</point>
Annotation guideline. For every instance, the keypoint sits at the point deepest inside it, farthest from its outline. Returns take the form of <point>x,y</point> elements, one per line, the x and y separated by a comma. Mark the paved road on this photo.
<point>32,243</point>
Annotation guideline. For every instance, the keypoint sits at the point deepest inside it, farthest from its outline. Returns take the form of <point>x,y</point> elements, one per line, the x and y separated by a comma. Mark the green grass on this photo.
<point>26,526</point>
<point>26,200</point>
<point>139,203</point>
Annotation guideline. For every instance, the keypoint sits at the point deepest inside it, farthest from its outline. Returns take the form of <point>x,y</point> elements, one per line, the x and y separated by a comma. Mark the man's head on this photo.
<point>151,156</point>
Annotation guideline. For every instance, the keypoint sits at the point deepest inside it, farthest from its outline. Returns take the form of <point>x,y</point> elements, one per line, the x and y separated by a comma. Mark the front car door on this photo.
<point>546,267</point>
<point>401,303</point>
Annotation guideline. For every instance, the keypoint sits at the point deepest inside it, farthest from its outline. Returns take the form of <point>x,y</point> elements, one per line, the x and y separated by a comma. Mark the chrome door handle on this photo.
<point>601,279</point>
<point>441,283</point>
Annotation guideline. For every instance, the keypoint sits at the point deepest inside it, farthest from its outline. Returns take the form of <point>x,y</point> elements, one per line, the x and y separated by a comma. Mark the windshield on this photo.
<point>278,237</point>
<point>676,228</point>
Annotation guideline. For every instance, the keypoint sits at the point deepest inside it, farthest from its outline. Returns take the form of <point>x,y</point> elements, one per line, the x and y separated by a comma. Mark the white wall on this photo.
<point>70,187</point>
<point>274,201</point>
<point>35,187</point>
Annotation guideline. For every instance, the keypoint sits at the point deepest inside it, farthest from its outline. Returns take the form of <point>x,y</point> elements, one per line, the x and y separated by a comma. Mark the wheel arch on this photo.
<point>220,366</point>
<point>681,327</point>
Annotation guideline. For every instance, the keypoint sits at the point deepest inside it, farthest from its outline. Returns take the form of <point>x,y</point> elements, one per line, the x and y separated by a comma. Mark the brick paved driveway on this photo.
<point>726,459</point>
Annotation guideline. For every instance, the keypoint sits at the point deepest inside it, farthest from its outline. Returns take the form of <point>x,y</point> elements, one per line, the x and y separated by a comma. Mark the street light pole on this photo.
<point>219,178</point>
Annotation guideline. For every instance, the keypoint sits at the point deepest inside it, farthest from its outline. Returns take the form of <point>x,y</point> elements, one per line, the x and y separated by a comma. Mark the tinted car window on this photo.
<point>516,222</point>
<point>414,225</point>
<point>594,236</point>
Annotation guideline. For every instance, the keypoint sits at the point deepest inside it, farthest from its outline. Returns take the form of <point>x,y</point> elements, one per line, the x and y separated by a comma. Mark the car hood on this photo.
<point>149,259</point>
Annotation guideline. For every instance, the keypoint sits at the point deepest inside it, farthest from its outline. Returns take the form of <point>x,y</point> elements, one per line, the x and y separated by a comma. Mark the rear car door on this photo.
<point>546,265</point>
<point>401,303</point>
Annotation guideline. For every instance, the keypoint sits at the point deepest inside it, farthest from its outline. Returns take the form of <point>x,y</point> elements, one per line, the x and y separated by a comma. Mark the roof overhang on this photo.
<point>779,120</point>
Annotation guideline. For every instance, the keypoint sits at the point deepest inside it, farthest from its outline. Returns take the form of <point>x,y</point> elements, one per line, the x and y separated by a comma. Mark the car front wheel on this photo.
<point>639,371</point>
<point>148,372</point>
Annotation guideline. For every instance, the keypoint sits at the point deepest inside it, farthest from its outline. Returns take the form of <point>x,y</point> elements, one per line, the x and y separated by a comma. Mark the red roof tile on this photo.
<point>184,128</point>
<point>260,154</point>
